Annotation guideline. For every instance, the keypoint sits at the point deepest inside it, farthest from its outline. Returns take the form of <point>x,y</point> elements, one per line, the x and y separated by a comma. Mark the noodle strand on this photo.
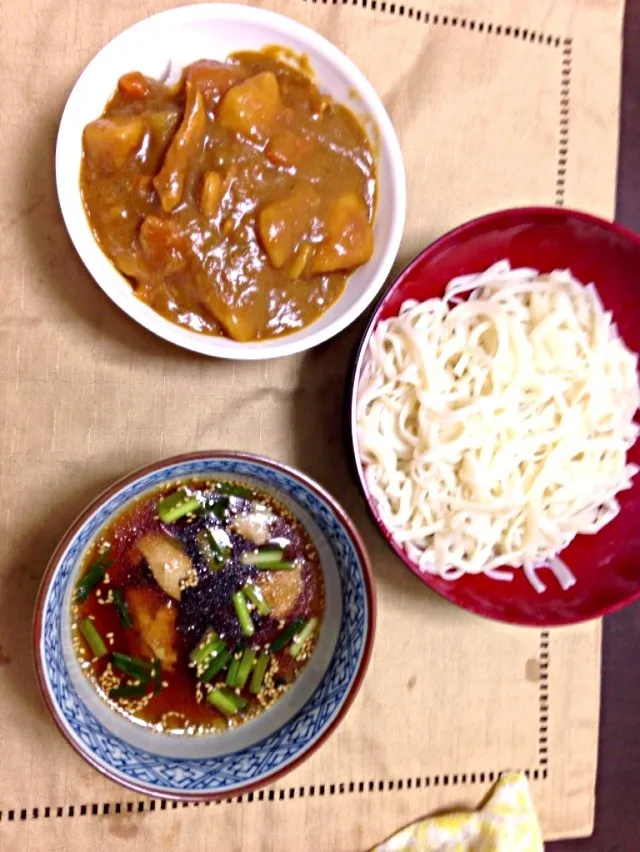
<point>493,424</point>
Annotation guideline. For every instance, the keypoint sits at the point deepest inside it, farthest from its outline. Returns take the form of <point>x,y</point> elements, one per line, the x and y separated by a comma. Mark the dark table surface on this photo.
<point>617,826</point>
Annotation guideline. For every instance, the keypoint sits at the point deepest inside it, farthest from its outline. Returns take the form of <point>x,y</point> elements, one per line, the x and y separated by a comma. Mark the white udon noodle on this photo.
<point>492,431</point>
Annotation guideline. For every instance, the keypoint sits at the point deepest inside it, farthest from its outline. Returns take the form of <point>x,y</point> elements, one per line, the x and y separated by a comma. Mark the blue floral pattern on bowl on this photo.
<point>209,776</point>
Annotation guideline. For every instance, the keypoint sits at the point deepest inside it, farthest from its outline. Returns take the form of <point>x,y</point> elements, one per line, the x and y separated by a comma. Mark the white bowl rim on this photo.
<point>219,347</point>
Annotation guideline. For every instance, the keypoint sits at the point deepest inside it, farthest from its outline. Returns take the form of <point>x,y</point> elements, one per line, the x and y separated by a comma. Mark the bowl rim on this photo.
<point>389,145</point>
<point>94,505</point>
<point>432,249</point>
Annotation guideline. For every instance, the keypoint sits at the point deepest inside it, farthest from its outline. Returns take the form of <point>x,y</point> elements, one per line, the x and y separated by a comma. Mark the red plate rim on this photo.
<point>434,248</point>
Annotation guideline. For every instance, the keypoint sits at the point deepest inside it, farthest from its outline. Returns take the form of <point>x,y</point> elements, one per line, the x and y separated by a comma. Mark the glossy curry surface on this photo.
<point>236,202</point>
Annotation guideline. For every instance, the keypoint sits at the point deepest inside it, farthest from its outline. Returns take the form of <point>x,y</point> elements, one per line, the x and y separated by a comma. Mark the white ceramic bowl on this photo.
<point>177,38</point>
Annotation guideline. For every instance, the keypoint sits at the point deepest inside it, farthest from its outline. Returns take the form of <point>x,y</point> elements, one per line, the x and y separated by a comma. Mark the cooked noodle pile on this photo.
<point>493,430</point>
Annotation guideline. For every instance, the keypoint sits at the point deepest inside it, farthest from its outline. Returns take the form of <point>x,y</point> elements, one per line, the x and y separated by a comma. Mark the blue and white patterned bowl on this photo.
<point>206,767</point>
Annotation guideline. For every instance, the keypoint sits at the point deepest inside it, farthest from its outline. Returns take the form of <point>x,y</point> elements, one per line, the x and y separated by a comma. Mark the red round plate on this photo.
<point>606,565</point>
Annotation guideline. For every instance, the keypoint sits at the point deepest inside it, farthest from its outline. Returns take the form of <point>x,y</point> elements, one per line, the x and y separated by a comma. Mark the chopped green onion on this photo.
<point>221,659</point>
<point>135,661</point>
<point>217,504</point>
<point>259,672</point>
<point>288,633</point>
<point>226,702</point>
<point>302,637</point>
<point>210,643</point>
<point>232,674</point>
<point>157,678</point>
<point>133,666</point>
<point>214,555</point>
<point>217,649</point>
<point>176,506</point>
<point>93,638</point>
<point>220,507</point>
<point>206,550</point>
<point>277,566</point>
<point>129,690</point>
<point>254,594</point>
<point>262,558</point>
<point>235,490</point>
<point>242,611</point>
<point>123,610</point>
<point>246,664</point>
<point>93,577</point>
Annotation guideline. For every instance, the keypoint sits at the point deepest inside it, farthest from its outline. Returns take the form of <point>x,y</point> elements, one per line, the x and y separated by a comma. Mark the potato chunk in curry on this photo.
<point>349,236</point>
<point>285,222</point>
<point>110,142</point>
<point>251,108</point>
<point>237,201</point>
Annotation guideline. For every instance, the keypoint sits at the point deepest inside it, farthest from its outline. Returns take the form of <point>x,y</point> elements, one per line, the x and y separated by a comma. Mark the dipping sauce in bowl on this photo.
<point>197,608</point>
<point>204,625</point>
<point>237,201</point>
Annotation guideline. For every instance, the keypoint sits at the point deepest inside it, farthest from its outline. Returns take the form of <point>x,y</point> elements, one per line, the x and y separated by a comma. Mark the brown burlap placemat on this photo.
<point>496,103</point>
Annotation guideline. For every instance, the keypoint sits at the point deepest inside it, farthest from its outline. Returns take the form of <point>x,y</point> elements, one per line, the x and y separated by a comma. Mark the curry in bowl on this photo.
<point>198,606</point>
<point>238,201</point>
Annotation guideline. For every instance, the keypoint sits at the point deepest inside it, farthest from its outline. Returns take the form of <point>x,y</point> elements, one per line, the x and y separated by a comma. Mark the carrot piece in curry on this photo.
<point>163,244</point>
<point>134,84</point>
<point>214,79</point>
<point>287,148</point>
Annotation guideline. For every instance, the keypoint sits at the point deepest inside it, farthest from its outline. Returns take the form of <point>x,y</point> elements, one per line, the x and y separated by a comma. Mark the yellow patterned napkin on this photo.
<point>507,822</point>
